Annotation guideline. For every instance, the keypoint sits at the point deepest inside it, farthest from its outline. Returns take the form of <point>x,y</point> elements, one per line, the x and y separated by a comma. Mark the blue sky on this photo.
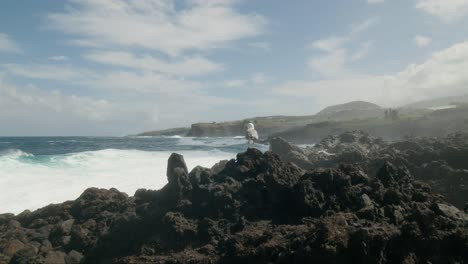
<point>105,67</point>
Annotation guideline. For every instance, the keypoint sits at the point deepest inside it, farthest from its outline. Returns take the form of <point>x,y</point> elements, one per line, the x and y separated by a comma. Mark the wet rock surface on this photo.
<point>254,209</point>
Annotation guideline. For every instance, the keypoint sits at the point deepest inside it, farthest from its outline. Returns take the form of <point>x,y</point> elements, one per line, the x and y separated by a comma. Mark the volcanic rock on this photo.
<point>442,162</point>
<point>258,209</point>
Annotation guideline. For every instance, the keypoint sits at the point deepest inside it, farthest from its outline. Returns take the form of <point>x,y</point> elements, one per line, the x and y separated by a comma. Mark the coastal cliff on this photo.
<point>429,119</point>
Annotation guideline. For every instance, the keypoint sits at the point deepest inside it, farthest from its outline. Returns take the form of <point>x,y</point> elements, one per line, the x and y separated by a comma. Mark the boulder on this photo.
<point>175,161</point>
<point>73,257</point>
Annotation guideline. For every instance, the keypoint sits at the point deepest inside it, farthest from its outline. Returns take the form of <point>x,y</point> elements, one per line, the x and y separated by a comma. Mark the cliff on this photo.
<point>264,125</point>
<point>431,124</point>
<point>269,125</point>
<point>181,131</point>
<point>428,118</point>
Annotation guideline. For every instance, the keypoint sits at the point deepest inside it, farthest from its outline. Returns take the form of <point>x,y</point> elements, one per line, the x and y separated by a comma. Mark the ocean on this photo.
<point>37,171</point>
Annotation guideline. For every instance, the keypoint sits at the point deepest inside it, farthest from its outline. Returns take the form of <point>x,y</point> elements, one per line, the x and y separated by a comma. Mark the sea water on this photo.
<point>37,171</point>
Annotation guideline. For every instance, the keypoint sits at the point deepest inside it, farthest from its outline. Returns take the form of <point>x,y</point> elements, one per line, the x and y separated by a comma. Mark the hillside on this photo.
<point>273,124</point>
<point>264,125</point>
<point>432,124</point>
<point>349,111</point>
<point>428,118</point>
<point>180,131</point>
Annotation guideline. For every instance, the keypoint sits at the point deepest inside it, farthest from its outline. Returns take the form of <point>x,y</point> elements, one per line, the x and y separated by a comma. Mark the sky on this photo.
<point>118,67</point>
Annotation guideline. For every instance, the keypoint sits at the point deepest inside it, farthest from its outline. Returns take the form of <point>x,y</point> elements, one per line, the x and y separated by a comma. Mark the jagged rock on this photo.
<point>5,218</point>
<point>290,153</point>
<point>24,256</point>
<point>200,175</point>
<point>439,162</point>
<point>218,167</point>
<point>66,226</point>
<point>73,257</point>
<point>175,161</point>
<point>56,257</point>
<point>12,247</point>
<point>365,201</point>
<point>450,211</point>
<point>258,209</point>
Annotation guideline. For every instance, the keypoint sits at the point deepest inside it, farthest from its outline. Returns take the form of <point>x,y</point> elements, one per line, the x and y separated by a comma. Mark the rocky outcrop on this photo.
<point>440,162</point>
<point>226,129</point>
<point>257,209</point>
<point>264,125</point>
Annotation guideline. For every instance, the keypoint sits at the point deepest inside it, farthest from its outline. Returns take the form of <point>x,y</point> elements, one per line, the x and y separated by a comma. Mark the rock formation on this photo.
<point>258,209</point>
<point>443,162</point>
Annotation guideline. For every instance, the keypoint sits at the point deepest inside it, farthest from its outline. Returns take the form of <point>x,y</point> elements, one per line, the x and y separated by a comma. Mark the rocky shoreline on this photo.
<point>440,162</point>
<point>350,199</point>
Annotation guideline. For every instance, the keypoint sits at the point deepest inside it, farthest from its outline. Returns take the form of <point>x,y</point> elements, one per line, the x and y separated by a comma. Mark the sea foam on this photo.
<point>31,182</point>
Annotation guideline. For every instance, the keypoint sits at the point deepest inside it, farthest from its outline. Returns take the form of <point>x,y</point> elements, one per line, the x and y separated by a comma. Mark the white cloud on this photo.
<point>195,65</point>
<point>331,64</point>
<point>329,44</point>
<point>7,44</point>
<point>139,83</point>
<point>446,10</point>
<point>235,83</point>
<point>375,1</point>
<point>261,45</point>
<point>58,58</point>
<point>332,91</point>
<point>363,26</point>
<point>422,41</point>
<point>146,82</point>
<point>33,111</point>
<point>335,56</point>
<point>260,79</point>
<point>255,81</point>
<point>157,25</point>
<point>364,50</point>
<point>45,71</point>
<point>334,61</point>
<point>442,74</point>
<point>33,98</point>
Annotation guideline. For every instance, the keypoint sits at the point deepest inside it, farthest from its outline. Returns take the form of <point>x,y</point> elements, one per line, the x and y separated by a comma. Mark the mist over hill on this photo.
<point>436,117</point>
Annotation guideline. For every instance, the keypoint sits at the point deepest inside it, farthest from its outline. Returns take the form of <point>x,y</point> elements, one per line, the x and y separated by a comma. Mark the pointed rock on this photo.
<point>175,161</point>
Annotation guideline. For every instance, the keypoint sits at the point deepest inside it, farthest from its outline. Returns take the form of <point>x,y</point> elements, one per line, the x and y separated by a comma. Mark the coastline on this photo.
<point>257,207</point>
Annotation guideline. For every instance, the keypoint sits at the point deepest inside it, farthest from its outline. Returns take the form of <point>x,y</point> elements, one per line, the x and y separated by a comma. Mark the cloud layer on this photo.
<point>442,74</point>
<point>189,66</point>
<point>446,10</point>
<point>119,67</point>
<point>156,25</point>
<point>422,41</point>
<point>7,44</point>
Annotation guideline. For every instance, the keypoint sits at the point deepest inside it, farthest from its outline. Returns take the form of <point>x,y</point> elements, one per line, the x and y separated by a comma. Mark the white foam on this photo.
<point>211,142</point>
<point>306,145</point>
<point>26,183</point>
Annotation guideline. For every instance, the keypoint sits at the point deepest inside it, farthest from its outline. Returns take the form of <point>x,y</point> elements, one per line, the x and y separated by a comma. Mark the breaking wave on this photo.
<point>30,182</point>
